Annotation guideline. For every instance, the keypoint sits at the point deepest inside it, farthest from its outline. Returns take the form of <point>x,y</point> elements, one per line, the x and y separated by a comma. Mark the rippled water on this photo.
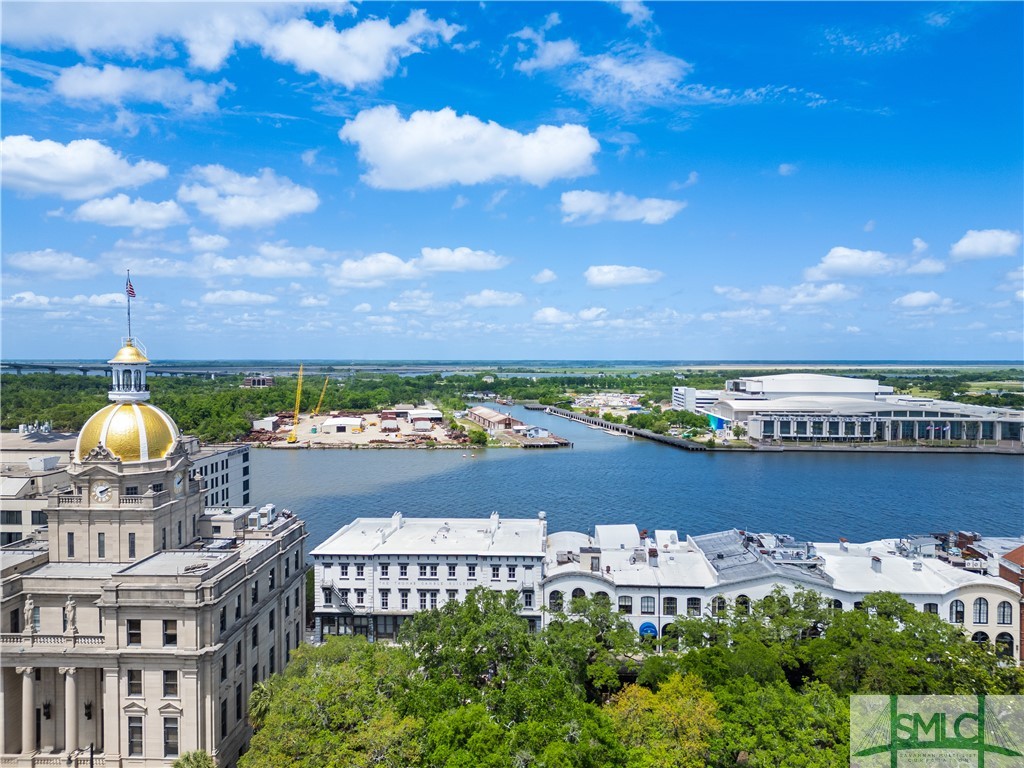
<point>614,479</point>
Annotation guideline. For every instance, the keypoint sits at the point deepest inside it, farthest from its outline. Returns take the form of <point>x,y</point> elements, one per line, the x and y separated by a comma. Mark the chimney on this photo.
<point>876,564</point>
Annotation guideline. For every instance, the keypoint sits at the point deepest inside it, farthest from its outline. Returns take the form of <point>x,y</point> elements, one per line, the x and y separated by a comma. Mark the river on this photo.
<point>615,479</point>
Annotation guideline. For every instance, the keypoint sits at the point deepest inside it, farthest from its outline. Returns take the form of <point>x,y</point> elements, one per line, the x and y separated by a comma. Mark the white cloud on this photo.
<point>852,329</point>
<point>31,300</point>
<point>371,271</point>
<point>615,276</point>
<point>460,259</point>
<point>544,276</point>
<point>234,200</point>
<point>840,261</point>
<point>592,207</point>
<point>362,55</point>
<point>691,179</point>
<point>364,307</point>
<point>629,77</point>
<point>56,264</point>
<point>548,55</point>
<point>461,201</point>
<point>788,169</point>
<point>880,42</point>
<point>312,301</point>
<point>985,243</point>
<point>746,315</point>
<point>122,211</point>
<point>920,246</point>
<point>236,298</point>
<point>437,149</point>
<point>927,266</point>
<point>210,265</point>
<point>639,14</point>
<point>797,295</point>
<point>117,85</point>
<point>309,157</point>
<point>592,313</point>
<point>77,170</point>
<point>918,299</point>
<point>492,298</point>
<point>413,301</point>
<point>552,316</point>
<point>204,242</point>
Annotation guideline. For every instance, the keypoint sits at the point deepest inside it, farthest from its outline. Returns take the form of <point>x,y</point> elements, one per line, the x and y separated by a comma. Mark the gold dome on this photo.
<point>129,354</point>
<point>130,431</point>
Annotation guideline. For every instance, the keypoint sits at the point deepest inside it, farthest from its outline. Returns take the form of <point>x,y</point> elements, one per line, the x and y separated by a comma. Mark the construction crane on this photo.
<point>316,411</point>
<point>292,437</point>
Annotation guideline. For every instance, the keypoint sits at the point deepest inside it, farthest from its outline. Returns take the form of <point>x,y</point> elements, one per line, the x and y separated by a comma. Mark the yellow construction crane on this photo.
<point>316,411</point>
<point>292,437</point>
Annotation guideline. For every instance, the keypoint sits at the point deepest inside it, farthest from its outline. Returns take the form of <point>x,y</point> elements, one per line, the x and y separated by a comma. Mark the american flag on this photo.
<point>129,289</point>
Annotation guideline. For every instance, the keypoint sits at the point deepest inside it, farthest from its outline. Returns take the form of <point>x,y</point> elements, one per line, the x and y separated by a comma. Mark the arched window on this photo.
<point>138,381</point>
<point>742,604</point>
<point>981,611</point>
<point>555,601</point>
<point>1004,644</point>
<point>1004,613</point>
<point>718,605</point>
<point>693,606</point>
<point>602,598</point>
<point>956,612</point>
<point>578,593</point>
<point>837,605</point>
<point>979,637</point>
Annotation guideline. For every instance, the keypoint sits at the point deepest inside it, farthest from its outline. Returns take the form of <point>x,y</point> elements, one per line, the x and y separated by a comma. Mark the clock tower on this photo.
<point>132,490</point>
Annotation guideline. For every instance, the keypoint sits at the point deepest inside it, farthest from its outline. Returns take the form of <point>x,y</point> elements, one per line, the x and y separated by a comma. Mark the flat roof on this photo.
<point>428,536</point>
<point>177,562</point>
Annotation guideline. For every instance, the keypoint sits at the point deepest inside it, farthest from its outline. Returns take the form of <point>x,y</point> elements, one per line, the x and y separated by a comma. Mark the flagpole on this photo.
<point>129,282</point>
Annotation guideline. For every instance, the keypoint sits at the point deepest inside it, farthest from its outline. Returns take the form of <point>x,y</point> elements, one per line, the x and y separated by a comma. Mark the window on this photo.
<point>38,517</point>
<point>668,606</point>
<point>384,570</point>
<point>1004,613</point>
<point>255,592</point>
<point>718,605</point>
<point>16,621</point>
<point>433,571</point>
<point>433,599</point>
<point>10,517</point>
<point>403,571</point>
<point>170,683</point>
<point>134,631</point>
<point>384,593</point>
<point>223,718</point>
<point>343,568</point>
<point>238,653</point>
<point>359,571</point>
<point>131,490</point>
<point>131,546</point>
<point>625,604</point>
<point>273,659</point>
<point>693,606</point>
<point>272,579</point>
<point>223,619</point>
<point>555,601</point>
<point>423,571</point>
<point>451,570</point>
<point>495,572</point>
<point>931,608</point>
<point>423,600</point>
<point>134,682</point>
<point>101,545</point>
<point>981,611</point>
<point>71,545</point>
<point>270,619</point>
<point>527,599</point>
<point>453,595</point>
<point>471,568</point>
<point>511,571</point>
<point>360,596</point>
<point>255,676</point>
<point>238,702</point>
<point>956,612</point>
<point>255,635</point>
<point>245,471</point>
<point>647,605</point>
<point>296,560</point>
<point>35,625</point>
<point>404,599</point>
<point>287,606</point>
<point>163,538</point>
<point>286,567</point>
<point>224,667</point>
<point>180,541</point>
<point>170,632</point>
<point>238,607</point>
<point>134,736</point>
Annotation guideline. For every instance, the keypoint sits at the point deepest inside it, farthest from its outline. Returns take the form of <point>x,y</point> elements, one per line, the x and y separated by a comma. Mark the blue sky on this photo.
<point>514,180</point>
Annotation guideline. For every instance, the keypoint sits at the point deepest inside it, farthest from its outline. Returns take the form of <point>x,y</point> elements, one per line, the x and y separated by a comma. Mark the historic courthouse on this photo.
<point>137,628</point>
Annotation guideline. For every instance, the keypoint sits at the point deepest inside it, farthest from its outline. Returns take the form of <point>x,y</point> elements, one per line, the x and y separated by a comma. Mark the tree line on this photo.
<point>468,685</point>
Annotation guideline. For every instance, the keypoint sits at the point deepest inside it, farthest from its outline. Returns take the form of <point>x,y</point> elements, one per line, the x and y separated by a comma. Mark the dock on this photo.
<point>625,429</point>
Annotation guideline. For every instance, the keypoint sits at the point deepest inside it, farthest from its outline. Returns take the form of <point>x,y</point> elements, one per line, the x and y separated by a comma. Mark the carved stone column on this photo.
<point>70,708</point>
<point>28,710</point>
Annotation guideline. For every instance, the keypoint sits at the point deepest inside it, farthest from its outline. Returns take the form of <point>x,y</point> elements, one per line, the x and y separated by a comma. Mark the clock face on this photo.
<point>179,483</point>
<point>101,491</point>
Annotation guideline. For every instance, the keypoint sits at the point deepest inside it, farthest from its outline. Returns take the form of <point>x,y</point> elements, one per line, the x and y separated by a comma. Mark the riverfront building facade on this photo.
<point>135,625</point>
<point>650,579</point>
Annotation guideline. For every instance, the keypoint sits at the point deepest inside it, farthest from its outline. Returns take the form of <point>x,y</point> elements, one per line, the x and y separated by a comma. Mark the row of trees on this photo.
<point>468,685</point>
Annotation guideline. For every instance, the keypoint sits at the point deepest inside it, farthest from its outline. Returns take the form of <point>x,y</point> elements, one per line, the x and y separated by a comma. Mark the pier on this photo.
<point>625,429</point>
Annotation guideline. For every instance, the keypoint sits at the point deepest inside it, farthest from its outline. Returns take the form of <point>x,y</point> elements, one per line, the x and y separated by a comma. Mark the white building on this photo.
<point>377,571</point>
<point>695,400</point>
<point>650,579</point>
<point>139,622</point>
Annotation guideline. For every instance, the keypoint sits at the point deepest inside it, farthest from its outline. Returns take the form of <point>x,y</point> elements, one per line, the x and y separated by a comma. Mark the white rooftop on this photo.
<point>399,535</point>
